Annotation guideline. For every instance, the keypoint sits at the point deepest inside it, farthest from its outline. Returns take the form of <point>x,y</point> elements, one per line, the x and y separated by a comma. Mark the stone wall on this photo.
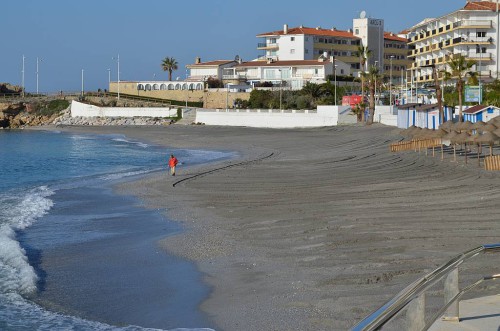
<point>219,98</point>
<point>213,98</point>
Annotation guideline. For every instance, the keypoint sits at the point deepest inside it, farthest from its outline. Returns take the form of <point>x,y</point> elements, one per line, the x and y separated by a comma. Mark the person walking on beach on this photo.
<point>172,162</point>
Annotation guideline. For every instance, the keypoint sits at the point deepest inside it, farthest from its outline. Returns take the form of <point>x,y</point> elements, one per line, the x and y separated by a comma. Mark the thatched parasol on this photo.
<point>489,127</point>
<point>462,138</point>
<point>446,125</point>
<point>438,134</point>
<point>464,126</point>
<point>407,132</point>
<point>496,132</point>
<point>488,138</point>
<point>478,125</point>
<point>472,140</point>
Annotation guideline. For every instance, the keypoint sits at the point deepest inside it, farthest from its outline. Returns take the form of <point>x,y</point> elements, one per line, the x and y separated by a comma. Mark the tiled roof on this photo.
<point>393,37</point>
<point>311,31</point>
<point>213,63</point>
<point>283,63</point>
<point>475,109</point>
<point>482,5</point>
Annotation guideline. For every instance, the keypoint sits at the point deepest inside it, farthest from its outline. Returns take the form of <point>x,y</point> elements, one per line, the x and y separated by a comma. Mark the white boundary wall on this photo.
<point>85,110</point>
<point>387,115</point>
<point>269,118</point>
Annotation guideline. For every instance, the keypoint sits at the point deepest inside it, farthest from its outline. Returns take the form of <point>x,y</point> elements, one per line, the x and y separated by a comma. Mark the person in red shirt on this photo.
<point>172,162</point>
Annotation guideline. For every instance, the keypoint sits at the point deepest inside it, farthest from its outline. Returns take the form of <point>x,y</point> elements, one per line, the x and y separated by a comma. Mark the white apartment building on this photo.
<point>303,43</point>
<point>293,73</point>
<point>472,31</point>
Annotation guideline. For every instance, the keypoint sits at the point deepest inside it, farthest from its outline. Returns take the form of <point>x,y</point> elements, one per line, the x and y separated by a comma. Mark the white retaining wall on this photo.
<point>269,118</point>
<point>387,115</point>
<point>85,110</point>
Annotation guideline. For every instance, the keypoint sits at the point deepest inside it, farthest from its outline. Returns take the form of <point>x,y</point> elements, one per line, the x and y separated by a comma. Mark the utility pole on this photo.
<point>22,81</point>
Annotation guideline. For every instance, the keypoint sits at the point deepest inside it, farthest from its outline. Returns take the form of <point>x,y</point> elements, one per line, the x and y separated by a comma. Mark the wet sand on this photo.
<point>313,229</point>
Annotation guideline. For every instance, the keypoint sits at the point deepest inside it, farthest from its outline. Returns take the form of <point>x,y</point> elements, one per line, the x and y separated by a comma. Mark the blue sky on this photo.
<point>71,35</point>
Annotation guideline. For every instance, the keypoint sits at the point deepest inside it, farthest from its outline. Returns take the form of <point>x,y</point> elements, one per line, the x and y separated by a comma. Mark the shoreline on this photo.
<point>322,233</point>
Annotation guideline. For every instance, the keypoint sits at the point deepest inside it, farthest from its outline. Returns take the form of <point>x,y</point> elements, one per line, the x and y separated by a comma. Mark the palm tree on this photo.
<point>169,64</point>
<point>460,68</point>
<point>313,90</point>
<point>372,76</point>
<point>363,53</point>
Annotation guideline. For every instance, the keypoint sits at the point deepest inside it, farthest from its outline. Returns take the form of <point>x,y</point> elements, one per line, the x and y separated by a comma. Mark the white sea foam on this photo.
<point>138,143</point>
<point>22,314</point>
<point>17,213</point>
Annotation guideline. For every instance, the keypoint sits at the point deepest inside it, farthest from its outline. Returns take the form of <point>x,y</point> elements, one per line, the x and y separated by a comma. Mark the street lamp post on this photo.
<point>82,84</point>
<point>118,64</point>
<point>22,81</point>
<point>37,60</point>
<point>281,87</point>
<point>335,79</point>
<point>390,80</point>
<point>376,66</point>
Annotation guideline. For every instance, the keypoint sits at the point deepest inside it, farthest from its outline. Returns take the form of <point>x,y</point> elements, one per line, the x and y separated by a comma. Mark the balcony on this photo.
<point>463,24</point>
<point>473,24</point>
<point>267,46</point>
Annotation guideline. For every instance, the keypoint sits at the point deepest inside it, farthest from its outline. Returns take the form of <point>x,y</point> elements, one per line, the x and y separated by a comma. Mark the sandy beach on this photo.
<point>313,229</point>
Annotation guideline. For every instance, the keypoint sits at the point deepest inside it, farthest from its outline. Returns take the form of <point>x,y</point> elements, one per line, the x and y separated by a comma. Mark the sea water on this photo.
<point>56,197</point>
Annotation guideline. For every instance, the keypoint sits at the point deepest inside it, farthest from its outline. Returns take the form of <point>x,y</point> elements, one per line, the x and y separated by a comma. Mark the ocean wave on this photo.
<point>19,212</point>
<point>17,313</point>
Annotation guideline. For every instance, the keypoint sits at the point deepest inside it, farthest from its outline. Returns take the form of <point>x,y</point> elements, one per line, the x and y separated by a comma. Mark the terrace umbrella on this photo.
<point>438,134</point>
<point>489,127</point>
<point>426,134</point>
<point>447,140</point>
<point>447,125</point>
<point>462,138</point>
<point>488,138</point>
<point>495,120</point>
<point>408,132</point>
<point>478,125</point>
<point>497,132</point>
<point>472,140</point>
<point>464,126</point>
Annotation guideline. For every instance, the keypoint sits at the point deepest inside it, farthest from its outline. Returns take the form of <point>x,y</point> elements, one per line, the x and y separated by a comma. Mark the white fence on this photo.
<point>275,118</point>
<point>85,110</point>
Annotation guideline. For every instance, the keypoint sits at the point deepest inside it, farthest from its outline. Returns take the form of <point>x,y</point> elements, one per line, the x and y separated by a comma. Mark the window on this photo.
<point>481,34</point>
<point>307,39</point>
<point>306,51</point>
<point>292,51</point>
<point>292,38</point>
<point>316,71</point>
<point>341,71</point>
<point>356,32</point>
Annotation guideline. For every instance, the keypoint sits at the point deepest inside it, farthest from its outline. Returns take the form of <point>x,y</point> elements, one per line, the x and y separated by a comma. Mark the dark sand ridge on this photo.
<point>323,231</point>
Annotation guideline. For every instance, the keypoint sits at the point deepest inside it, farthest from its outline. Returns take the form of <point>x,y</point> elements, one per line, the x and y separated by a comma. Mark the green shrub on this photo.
<point>53,107</point>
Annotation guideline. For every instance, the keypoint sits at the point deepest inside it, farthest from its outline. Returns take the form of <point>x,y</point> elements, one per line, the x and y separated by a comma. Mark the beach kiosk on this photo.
<point>481,113</point>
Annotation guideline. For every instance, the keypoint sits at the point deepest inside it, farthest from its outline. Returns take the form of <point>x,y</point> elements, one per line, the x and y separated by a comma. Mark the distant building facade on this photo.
<point>472,31</point>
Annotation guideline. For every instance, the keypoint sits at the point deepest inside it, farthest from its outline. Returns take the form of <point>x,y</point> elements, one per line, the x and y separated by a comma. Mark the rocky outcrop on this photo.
<point>19,115</point>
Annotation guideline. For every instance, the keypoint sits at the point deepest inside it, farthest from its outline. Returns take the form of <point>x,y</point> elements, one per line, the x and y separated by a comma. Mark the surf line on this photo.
<point>223,168</point>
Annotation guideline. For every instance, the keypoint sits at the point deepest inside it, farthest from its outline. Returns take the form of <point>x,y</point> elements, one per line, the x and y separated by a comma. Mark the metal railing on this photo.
<point>414,295</point>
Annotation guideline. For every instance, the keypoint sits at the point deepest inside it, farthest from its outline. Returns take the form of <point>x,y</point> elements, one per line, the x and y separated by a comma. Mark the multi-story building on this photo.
<point>293,73</point>
<point>472,31</point>
<point>395,58</point>
<point>303,43</point>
